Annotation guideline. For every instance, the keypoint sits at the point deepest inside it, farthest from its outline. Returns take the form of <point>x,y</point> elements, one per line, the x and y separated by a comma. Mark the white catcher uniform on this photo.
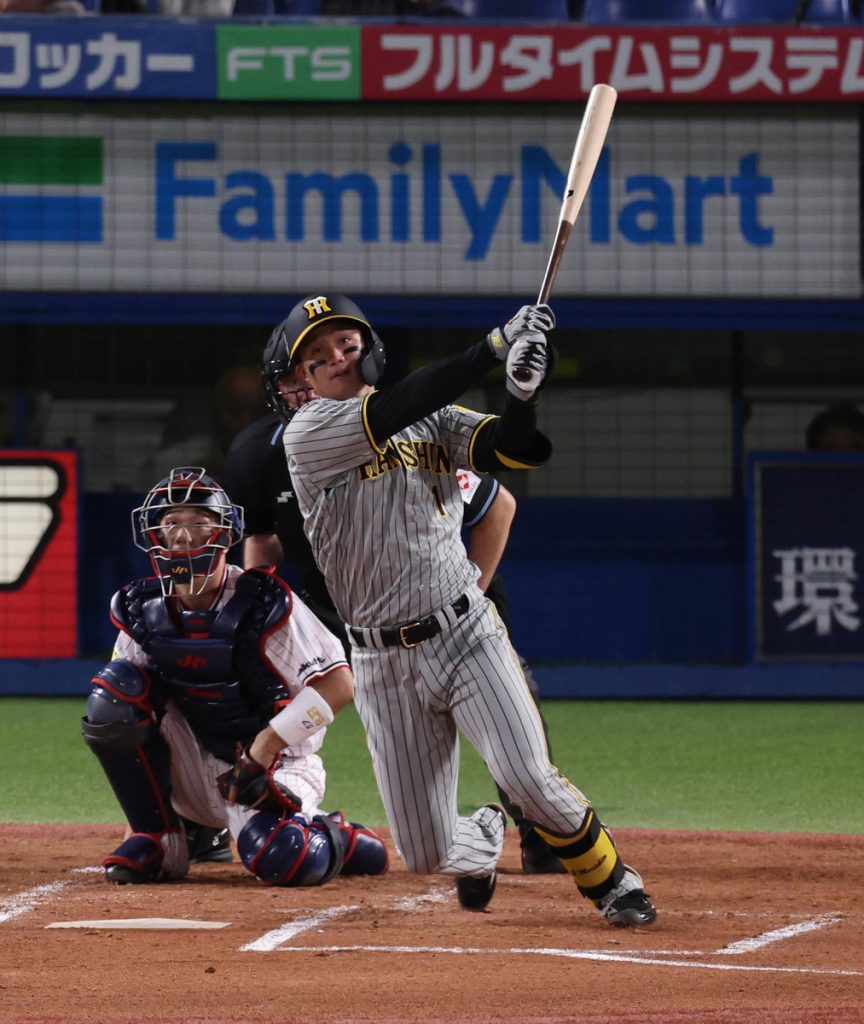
<point>301,650</point>
<point>385,529</point>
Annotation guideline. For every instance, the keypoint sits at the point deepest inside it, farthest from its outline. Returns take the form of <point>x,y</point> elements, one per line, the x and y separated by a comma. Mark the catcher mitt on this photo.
<point>252,785</point>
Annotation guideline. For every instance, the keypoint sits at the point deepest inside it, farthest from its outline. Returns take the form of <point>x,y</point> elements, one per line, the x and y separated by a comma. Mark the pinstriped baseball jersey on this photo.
<point>385,525</point>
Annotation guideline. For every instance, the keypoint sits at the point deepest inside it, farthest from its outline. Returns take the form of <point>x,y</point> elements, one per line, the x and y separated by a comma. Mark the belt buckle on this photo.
<point>405,643</point>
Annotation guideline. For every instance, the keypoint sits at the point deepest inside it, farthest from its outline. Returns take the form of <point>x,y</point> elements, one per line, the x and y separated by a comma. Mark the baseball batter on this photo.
<point>375,476</point>
<point>214,665</point>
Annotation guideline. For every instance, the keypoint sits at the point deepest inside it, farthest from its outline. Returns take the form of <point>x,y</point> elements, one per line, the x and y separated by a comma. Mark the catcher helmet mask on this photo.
<point>188,486</point>
<point>318,309</point>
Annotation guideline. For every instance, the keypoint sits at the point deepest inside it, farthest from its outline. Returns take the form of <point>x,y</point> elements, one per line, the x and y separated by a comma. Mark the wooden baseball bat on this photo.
<point>586,153</point>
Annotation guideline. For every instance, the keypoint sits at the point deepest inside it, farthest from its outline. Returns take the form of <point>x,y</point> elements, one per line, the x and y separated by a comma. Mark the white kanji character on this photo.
<point>760,72</point>
<point>18,74</point>
<point>583,55</point>
<point>815,56</point>
<point>852,81</point>
<point>532,57</point>
<point>625,80</point>
<point>111,51</point>
<point>821,581</point>
<point>59,64</point>
<point>685,54</point>
<point>422,47</point>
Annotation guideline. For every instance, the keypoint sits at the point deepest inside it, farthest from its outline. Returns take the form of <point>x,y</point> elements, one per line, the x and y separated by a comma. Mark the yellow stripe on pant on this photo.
<point>589,855</point>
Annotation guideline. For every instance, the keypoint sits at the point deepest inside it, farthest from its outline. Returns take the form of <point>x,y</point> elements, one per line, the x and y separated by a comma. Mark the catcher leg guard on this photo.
<point>136,859</point>
<point>120,730</point>
<point>147,858</point>
<point>286,851</point>
<point>363,851</point>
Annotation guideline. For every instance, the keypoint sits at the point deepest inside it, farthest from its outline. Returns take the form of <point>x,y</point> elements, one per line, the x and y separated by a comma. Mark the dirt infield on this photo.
<point>753,928</point>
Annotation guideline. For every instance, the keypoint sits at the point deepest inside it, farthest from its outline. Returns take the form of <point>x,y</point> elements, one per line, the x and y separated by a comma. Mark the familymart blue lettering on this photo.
<point>653,210</point>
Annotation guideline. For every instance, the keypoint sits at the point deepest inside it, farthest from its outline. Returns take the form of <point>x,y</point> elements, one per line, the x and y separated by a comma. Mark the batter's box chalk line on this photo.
<point>574,954</point>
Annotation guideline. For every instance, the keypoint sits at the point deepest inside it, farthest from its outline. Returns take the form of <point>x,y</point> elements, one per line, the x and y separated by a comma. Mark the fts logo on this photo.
<point>29,516</point>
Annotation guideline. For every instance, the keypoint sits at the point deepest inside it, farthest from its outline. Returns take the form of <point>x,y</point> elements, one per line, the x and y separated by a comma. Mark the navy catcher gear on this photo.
<point>285,851</point>
<point>319,309</point>
<point>119,729</point>
<point>118,717</point>
<point>137,859</point>
<point>364,852</point>
<point>186,486</point>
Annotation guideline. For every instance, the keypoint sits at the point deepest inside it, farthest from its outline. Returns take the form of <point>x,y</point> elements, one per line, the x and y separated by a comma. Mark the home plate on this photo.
<point>163,923</point>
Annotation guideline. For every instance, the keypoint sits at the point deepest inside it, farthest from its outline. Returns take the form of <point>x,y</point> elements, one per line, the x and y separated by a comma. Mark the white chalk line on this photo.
<point>278,936</point>
<point>571,954</point>
<point>25,902</point>
<point>779,934</point>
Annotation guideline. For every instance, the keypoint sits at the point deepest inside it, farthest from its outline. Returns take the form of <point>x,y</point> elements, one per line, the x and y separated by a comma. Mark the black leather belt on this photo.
<point>412,633</point>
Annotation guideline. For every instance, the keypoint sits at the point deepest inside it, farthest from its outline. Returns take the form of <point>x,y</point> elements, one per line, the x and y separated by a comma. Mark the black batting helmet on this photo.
<point>318,309</point>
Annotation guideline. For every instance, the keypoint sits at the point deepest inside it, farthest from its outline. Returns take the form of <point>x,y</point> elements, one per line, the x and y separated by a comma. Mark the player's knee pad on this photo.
<point>286,851</point>
<point>364,852</point>
<point>118,710</point>
<point>589,855</point>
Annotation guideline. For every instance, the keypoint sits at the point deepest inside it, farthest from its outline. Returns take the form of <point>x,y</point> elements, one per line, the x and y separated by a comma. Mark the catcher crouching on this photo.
<point>215,704</point>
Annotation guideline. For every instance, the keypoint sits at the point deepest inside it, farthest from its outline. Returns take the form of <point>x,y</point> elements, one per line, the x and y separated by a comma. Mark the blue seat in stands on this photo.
<point>757,12</point>
<point>258,7</point>
<point>511,10</point>
<point>829,12</point>
<point>610,12</point>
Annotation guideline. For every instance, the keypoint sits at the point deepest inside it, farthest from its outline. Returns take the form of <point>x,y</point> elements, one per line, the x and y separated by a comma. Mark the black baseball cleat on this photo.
<point>120,874</point>
<point>628,904</point>
<point>631,909</point>
<point>476,893</point>
<point>206,844</point>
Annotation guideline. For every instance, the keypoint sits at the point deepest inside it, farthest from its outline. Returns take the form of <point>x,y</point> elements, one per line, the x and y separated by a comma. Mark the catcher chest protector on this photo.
<point>212,662</point>
<point>292,852</point>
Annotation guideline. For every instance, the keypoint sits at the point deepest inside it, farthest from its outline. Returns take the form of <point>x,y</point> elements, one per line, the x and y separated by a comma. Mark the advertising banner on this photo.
<point>38,554</point>
<point>685,202</point>
<point>681,63</point>
<point>107,57</point>
<point>807,556</point>
<point>165,58</point>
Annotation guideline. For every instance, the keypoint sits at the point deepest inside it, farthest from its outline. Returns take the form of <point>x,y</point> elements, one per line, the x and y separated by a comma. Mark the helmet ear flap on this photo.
<point>374,359</point>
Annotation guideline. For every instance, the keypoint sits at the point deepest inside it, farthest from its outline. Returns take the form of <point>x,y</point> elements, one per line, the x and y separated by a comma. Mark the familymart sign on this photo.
<point>683,203</point>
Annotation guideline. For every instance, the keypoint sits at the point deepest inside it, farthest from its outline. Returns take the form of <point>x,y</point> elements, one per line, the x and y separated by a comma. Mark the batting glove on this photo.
<point>529,364</point>
<point>529,318</point>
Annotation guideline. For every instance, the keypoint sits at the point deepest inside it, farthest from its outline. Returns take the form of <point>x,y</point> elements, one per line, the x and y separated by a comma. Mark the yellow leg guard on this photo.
<point>589,855</point>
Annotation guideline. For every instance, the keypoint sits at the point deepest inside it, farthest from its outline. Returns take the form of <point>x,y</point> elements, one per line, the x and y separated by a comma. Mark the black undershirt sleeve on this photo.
<point>511,441</point>
<point>426,390</point>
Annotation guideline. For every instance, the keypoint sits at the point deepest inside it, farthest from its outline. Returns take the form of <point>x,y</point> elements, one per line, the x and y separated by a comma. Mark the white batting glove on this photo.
<point>528,364</point>
<point>529,318</point>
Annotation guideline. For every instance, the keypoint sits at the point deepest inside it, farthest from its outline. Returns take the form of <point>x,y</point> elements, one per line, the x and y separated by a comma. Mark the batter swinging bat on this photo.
<point>586,153</point>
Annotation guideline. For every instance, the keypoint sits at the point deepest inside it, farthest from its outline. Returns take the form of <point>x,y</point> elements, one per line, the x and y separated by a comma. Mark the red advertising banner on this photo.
<point>38,554</point>
<point>559,63</point>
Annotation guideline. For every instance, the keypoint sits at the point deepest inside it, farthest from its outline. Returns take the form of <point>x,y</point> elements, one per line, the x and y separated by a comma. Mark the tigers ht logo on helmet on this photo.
<point>317,306</point>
